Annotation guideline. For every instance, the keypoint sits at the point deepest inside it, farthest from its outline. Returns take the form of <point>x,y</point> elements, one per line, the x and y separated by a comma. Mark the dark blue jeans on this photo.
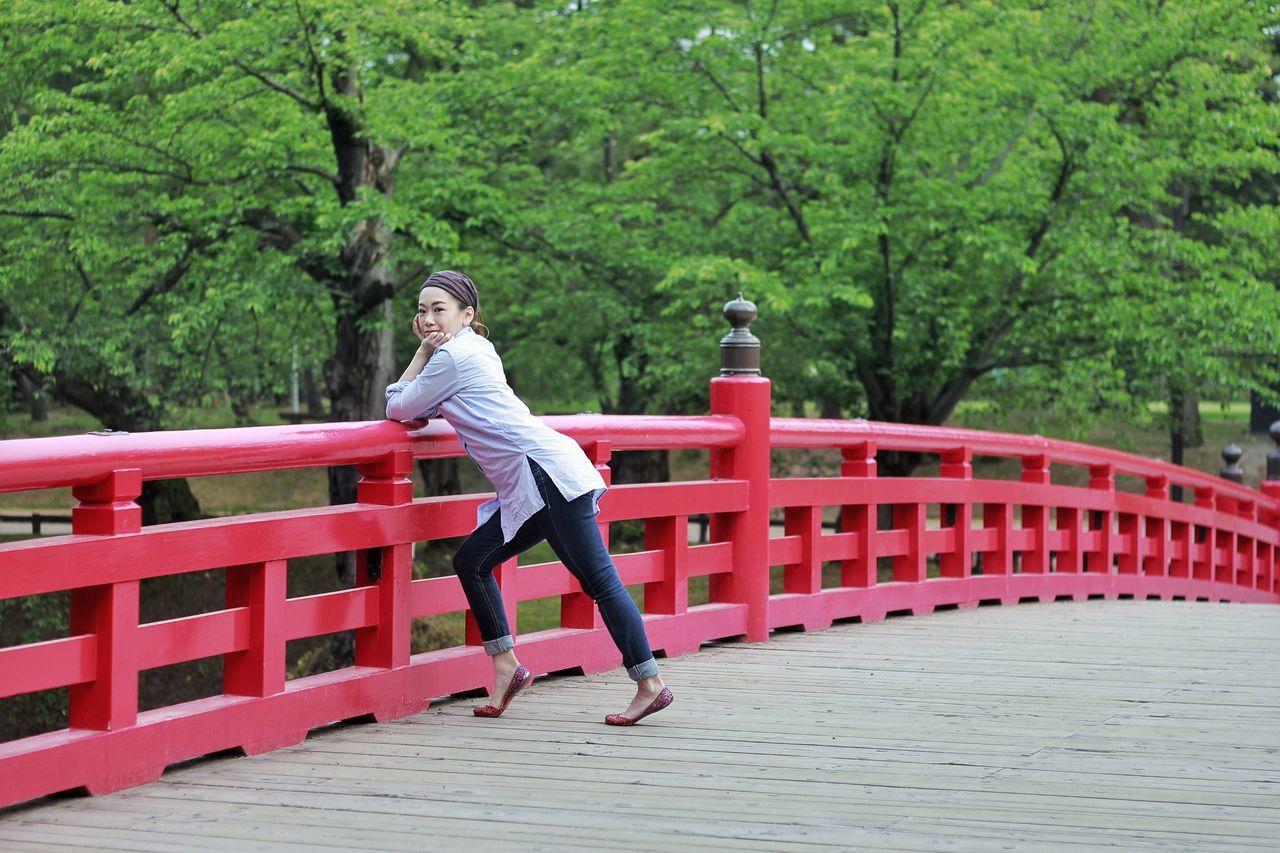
<point>570,528</point>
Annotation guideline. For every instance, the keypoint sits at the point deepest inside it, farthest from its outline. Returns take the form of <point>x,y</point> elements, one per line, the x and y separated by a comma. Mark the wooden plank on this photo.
<point>1066,725</point>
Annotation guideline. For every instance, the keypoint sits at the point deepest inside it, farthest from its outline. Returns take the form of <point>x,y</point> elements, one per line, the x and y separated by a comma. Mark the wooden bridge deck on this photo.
<point>1041,726</point>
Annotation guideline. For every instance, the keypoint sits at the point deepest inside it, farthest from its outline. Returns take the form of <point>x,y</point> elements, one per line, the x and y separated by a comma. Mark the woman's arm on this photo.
<point>420,397</point>
<point>428,343</point>
<point>429,380</point>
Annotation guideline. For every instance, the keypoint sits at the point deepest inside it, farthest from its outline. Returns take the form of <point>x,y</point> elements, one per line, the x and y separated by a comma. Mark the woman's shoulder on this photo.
<point>464,344</point>
<point>470,347</point>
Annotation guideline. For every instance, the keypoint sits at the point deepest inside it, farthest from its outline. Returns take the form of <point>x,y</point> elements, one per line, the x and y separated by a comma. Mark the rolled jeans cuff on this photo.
<point>647,669</point>
<point>500,645</point>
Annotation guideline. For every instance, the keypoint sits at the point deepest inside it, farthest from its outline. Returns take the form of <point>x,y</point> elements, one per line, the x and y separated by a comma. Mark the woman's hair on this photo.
<point>478,326</point>
<point>463,290</point>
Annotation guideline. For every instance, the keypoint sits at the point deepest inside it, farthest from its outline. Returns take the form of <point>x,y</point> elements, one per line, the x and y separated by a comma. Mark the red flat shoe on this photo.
<point>660,701</point>
<point>520,680</point>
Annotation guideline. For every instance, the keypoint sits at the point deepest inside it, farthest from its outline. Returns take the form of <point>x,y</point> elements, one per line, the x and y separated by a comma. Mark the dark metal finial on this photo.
<point>1273,458</point>
<point>740,350</point>
<point>1232,471</point>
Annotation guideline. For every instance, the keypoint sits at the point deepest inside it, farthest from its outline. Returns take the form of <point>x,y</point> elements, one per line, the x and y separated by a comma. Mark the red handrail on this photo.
<point>50,463</point>
<point>814,433</point>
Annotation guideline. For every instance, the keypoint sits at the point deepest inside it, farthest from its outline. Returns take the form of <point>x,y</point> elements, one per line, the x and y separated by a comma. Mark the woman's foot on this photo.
<point>504,667</point>
<point>509,679</point>
<point>651,696</point>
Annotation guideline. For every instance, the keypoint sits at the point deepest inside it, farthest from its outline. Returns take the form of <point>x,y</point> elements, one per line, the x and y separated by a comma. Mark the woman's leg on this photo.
<point>474,562</point>
<point>570,528</point>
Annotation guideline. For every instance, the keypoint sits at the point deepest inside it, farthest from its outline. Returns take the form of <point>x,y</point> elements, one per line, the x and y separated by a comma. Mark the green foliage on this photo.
<point>199,188</point>
<point>949,190</point>
<point>1071,203</point>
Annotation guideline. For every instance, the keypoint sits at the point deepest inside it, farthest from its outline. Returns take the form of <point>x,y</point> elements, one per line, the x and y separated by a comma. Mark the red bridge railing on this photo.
<point>948,540</point>
<point>1029,539</point>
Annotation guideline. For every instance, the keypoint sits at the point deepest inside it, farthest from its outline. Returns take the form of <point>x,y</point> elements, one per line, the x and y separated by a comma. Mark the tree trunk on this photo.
<point>1184,417</point>
<point>440,477</point>
<point>634,466</point>
<point>357,377</point>
<point>1184,427</point>
<point>165,501</point>
<point>1191,418</point>
<point>362,366</point>
<point>119,407</point>
<point>1263,413</point>
<point>641,466</point>
<point>311,392</point>
<point>37,400</point>
<point>363,361</point>
<point>897,463</point>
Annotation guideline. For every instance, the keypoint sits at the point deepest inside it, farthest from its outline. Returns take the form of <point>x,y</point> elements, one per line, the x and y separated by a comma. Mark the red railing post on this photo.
<point>740,391</point>
<point>386,482</point>
<point>911,567</point>
<point>1035,517</point>
<point>862,519</point>
<point>1269,556</point>
<point>260,669</point>
<point>1224,543</point>
<point>670,535</point>
<point>1071,556</point>
<point>109,506</point>
<point>1204,559</point>
<point>957,464</point>
<point>804,577</point>
<point>1267,559</point>
<point>387,644</point>
<point>110,611</point>
<point>1155,557</point>
<point>998,517</point>
<point>1132,544</point>
<point>1242,556</point>
<point>1101,558</point>
<point>1182,540</point>
<point>1271,488</point>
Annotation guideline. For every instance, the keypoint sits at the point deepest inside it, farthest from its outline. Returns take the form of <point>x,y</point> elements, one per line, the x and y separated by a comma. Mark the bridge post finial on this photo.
<point>740,350</point>
<point>1273,458</point>
<point>1232,471</point>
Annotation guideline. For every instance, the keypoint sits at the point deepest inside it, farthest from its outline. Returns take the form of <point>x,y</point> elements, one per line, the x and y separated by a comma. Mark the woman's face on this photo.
<point>438,311</point>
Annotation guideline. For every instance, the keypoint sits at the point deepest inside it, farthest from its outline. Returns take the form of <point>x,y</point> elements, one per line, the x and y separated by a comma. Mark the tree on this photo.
<point>920,196</point>
<point>926,194</point>
<point>239,158</point>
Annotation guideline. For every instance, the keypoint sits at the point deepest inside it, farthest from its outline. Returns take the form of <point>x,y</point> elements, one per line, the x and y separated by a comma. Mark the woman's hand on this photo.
<point>430,341</point>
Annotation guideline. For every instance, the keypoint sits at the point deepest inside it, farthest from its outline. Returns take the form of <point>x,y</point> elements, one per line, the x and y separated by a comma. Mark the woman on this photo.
<point>547,489</point>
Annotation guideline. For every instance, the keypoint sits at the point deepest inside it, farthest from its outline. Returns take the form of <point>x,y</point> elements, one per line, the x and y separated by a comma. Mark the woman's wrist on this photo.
<point>415,366</point>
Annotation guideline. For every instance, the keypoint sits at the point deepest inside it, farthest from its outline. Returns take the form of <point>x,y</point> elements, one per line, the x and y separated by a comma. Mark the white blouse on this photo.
<point>465,383</point>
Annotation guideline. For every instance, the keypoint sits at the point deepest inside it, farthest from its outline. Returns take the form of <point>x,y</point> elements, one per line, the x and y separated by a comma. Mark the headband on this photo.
<point>456,285</point>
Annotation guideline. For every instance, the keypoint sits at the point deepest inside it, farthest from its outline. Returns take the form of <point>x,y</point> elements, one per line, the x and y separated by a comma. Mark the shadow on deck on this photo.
<point>1137,724</point>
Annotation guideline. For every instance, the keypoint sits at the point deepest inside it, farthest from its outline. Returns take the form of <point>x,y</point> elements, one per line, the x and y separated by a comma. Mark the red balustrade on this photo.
<point>957,541</point>
<point>949,540</point>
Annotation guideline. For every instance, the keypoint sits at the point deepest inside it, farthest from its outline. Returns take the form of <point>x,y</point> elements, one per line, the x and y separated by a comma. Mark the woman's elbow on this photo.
<point>396,411</point>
